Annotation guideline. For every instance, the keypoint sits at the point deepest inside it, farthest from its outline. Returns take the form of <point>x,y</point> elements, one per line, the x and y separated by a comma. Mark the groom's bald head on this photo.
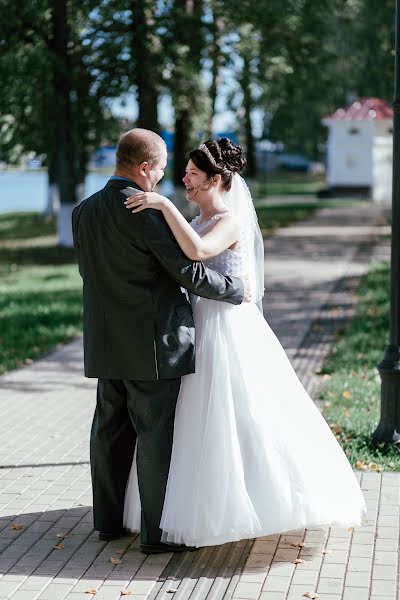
<point>137,146</point>
<point>141,157</point>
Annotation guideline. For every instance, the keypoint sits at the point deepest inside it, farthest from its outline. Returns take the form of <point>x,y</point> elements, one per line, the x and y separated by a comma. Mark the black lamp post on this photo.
<point>388,430</point>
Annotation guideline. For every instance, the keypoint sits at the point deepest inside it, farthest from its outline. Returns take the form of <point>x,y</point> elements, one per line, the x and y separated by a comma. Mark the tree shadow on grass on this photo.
<point>35,322</point>
<point>25,225</point>
<point>271,217</point>
<point>38,255</point>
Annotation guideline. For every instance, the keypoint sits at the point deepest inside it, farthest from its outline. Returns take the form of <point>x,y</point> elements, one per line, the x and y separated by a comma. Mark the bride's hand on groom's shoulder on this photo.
<point>144,200</point>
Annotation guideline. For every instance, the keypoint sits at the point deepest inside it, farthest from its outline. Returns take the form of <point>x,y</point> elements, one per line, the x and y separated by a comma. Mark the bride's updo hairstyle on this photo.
<point>219,157</point>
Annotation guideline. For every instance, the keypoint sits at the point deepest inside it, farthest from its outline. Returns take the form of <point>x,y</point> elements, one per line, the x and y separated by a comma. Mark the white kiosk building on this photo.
<point>359,150</point>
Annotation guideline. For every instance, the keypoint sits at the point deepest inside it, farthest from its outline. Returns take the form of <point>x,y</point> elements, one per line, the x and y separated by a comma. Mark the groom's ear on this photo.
<point>143,167</point>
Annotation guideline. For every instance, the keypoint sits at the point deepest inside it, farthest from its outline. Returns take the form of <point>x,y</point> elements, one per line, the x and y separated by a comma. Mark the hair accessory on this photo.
<point>206,151</point>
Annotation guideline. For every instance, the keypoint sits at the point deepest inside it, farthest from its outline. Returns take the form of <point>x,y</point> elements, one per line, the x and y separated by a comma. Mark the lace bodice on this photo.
<point>229,262</point>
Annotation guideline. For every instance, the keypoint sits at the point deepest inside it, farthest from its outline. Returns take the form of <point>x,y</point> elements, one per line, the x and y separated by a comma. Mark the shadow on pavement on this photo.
<point>62,544</point>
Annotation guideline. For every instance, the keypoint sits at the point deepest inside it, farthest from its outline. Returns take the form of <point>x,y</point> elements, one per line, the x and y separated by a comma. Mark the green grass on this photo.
<point>40,290</point>
<point>351,394</point>
<point>20,226</point>
<point>270,217</point>
<point>287,183</point>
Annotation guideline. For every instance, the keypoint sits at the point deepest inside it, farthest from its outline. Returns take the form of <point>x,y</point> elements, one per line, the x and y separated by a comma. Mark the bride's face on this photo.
<point>196,182</point>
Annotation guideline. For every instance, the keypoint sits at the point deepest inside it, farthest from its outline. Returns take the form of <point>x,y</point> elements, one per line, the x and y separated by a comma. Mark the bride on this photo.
<point>252,455</point>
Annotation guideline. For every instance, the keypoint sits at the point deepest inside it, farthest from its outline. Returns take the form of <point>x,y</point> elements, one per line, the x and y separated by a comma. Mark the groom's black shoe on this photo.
<point>159,548</point>
<point>112,535</point>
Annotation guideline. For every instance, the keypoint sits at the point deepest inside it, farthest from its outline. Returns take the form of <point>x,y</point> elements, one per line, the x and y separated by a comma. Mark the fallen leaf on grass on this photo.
<point>62,535</point>
<point>311,595</point>
<point>17,526</point>
<point>116,561</point>
<point>327,404</point>
<point>375,467</point>
<point>93,591</point>
<point>363,466</point>
<point>337,429</point>
<point>298,561</point>
<point>346,413</point>
<point>59,547</point>
<point>347,394</point>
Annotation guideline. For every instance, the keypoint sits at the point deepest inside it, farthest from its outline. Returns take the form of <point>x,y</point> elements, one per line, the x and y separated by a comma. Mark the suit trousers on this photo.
<point>128,412</point>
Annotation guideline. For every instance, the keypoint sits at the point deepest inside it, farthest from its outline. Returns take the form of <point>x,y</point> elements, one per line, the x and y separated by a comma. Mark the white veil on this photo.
<point>240,203</point>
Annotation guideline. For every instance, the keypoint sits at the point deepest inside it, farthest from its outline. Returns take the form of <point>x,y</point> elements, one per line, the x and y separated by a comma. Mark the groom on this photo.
<point>138,335</point>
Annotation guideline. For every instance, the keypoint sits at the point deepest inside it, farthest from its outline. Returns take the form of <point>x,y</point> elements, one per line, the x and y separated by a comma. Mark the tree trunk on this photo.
<point>53,198</point>
<point>82,173</point>
<point>146,71</point>
<point>216,57</point>
<point>65,156</point>
<point>186,90</point>
<point>251,169</point>
<point>181,145</point>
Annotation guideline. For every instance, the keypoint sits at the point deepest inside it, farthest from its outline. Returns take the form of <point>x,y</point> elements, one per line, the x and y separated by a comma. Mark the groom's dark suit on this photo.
<point>138,341</point>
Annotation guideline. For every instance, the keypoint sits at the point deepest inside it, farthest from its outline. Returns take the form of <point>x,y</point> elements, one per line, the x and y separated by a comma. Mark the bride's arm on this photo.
<point>223,235</point>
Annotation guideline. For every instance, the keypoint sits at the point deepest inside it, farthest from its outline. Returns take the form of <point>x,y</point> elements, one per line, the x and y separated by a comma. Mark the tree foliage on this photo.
<point>55,95</point>
<point>63,62</point>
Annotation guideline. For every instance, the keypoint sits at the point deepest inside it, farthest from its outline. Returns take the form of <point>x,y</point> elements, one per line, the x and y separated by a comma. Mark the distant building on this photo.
<point>359,150</point>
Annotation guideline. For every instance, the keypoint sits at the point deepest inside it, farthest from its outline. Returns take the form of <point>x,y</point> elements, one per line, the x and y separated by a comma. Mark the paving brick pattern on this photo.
<point>48,549</point>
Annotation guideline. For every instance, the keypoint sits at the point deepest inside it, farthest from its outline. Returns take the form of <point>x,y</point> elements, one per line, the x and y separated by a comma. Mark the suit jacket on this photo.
<point>137,322</point>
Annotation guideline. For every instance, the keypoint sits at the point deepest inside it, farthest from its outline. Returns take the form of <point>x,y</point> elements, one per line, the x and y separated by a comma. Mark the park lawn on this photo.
<point>287,183</point>
<point>40,290</point>
<point>351,394</point>
<point>270,217</point>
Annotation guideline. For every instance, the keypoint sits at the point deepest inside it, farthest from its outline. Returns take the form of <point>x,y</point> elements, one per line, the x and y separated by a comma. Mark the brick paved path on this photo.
<point>311,273</point>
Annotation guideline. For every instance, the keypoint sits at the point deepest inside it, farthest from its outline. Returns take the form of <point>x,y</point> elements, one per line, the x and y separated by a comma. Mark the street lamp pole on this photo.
<point>388,430</point>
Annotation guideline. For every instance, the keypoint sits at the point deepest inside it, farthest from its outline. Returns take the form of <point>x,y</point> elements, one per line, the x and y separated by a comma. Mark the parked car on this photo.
<point>295,162</point>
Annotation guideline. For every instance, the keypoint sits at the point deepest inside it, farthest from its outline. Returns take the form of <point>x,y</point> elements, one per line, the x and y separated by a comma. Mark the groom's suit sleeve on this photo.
<point>193,276</point>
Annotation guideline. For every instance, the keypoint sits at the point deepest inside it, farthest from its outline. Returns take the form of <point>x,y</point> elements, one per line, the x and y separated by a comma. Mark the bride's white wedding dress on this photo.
<point>252,455</point>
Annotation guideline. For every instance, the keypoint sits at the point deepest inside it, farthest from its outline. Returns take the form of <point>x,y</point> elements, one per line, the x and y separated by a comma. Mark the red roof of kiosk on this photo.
<point>363,109</point>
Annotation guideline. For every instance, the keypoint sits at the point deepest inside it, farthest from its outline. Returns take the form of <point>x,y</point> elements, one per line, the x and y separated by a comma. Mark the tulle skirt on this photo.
<point>252,454</point>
